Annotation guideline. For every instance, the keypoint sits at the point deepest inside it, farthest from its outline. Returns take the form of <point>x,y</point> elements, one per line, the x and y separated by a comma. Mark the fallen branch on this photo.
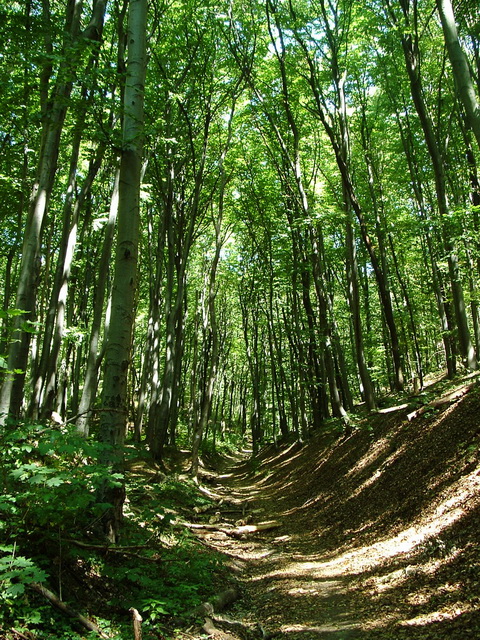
<point>104,547</point>
<point>65,608</point>
<point>22,635</point>
<point>237,532</point>
<point>440,402</point>
<point>220,508</point>
<point>212,630</point>
<point>194,525</point>
<point>107,548</point>
<point>253,528</point>
<point>242,629</point>
<point>217,603</point>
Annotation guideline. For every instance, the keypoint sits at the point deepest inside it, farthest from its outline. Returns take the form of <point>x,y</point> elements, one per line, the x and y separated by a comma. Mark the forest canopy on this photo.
<point>230,222</point>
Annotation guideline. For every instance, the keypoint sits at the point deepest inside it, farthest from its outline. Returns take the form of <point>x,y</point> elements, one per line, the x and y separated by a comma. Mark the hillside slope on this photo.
<point>378,532</point>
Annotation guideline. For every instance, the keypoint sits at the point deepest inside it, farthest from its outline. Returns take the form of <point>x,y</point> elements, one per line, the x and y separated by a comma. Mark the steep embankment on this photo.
<point>378,533</point>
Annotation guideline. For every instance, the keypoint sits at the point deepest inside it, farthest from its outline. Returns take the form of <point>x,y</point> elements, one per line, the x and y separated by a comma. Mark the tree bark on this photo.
<point>412,61</point>
<point>113,417</point>
<point>93,357</point>
<point>12,392</point>
<point>211,350</point>
<point>460,68</point>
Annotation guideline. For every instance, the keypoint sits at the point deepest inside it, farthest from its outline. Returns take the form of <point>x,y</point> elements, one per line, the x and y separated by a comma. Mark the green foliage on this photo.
<point>227,444</point>
<point>48,482</point>
<point>43,468</point>
<point>16,572</point>
<point>171,587</point>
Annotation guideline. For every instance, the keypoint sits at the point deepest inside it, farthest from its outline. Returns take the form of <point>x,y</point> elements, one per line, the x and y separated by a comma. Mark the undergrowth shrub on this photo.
<point>49,482</point>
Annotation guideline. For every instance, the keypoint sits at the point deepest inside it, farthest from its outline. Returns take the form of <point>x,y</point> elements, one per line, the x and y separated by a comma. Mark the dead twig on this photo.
<point>105,547</point>
<point>22,635</point>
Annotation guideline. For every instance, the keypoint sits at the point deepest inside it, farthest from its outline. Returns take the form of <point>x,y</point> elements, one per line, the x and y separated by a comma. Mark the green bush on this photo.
<point>48,484</point>
<point>50,480</point>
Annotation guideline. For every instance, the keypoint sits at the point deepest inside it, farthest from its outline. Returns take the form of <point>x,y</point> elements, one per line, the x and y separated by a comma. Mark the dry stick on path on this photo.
<point>238,532</point>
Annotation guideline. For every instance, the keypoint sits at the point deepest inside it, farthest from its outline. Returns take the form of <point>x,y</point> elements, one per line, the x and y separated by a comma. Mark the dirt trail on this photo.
<point>377,536</point>
<point>288,588</point>
<point>282,590</point>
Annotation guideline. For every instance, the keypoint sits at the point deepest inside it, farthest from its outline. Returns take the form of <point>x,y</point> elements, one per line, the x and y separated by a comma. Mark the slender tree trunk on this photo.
<point>93,357</point>
<point>354,302</point>
<point>412,61</point>
<point>429,254</point>
<point>14,250</point>
<point>45,376</point>
<point>113,418</point>
<point>460,68</point>
<point>318,271</point>
<point>408,304</point>
<point>211,352</point>
<point>12,393</point>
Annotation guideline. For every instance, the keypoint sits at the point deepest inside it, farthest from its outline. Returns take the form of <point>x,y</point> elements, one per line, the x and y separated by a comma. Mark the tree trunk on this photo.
<point>210,354</point>
<point>460,68</point>
<point>113,417</point>
<point>411,55</point>
<point>12,393</point>
<point>93,357</point>
<point>354,303</point>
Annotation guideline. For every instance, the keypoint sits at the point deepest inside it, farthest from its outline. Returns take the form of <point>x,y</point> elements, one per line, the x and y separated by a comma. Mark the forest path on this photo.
<point>376,534</point>
<point>290,586</point>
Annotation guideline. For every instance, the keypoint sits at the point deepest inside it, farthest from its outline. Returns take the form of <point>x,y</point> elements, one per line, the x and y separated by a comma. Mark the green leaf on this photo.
<point>15,589</point>
<point>55,481</point>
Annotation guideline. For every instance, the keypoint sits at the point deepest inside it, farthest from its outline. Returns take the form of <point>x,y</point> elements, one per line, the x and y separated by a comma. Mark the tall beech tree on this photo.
<point>336,22</point>
<point>411,49</point>
<point>55,90</point>
<point>460,67</point>
<point>113,417</point>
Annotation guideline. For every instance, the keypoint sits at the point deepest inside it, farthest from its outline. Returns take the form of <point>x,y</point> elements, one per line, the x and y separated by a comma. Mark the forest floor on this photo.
<point>371,536</point>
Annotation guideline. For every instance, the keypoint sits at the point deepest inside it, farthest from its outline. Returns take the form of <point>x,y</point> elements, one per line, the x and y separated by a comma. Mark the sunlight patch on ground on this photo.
<point>375,476</point>
<point>318,629</point>
<point>377,448</point>
<point>447,613</point>
<point>424,597</point>
<point>301,591</point>
<point>367,557</point>
<point>325,589</point>
<point>396,578</point>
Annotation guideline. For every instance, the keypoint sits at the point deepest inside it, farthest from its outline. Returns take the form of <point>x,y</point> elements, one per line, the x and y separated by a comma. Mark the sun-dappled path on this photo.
<point>357,538</point>
<point>282,590</point>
